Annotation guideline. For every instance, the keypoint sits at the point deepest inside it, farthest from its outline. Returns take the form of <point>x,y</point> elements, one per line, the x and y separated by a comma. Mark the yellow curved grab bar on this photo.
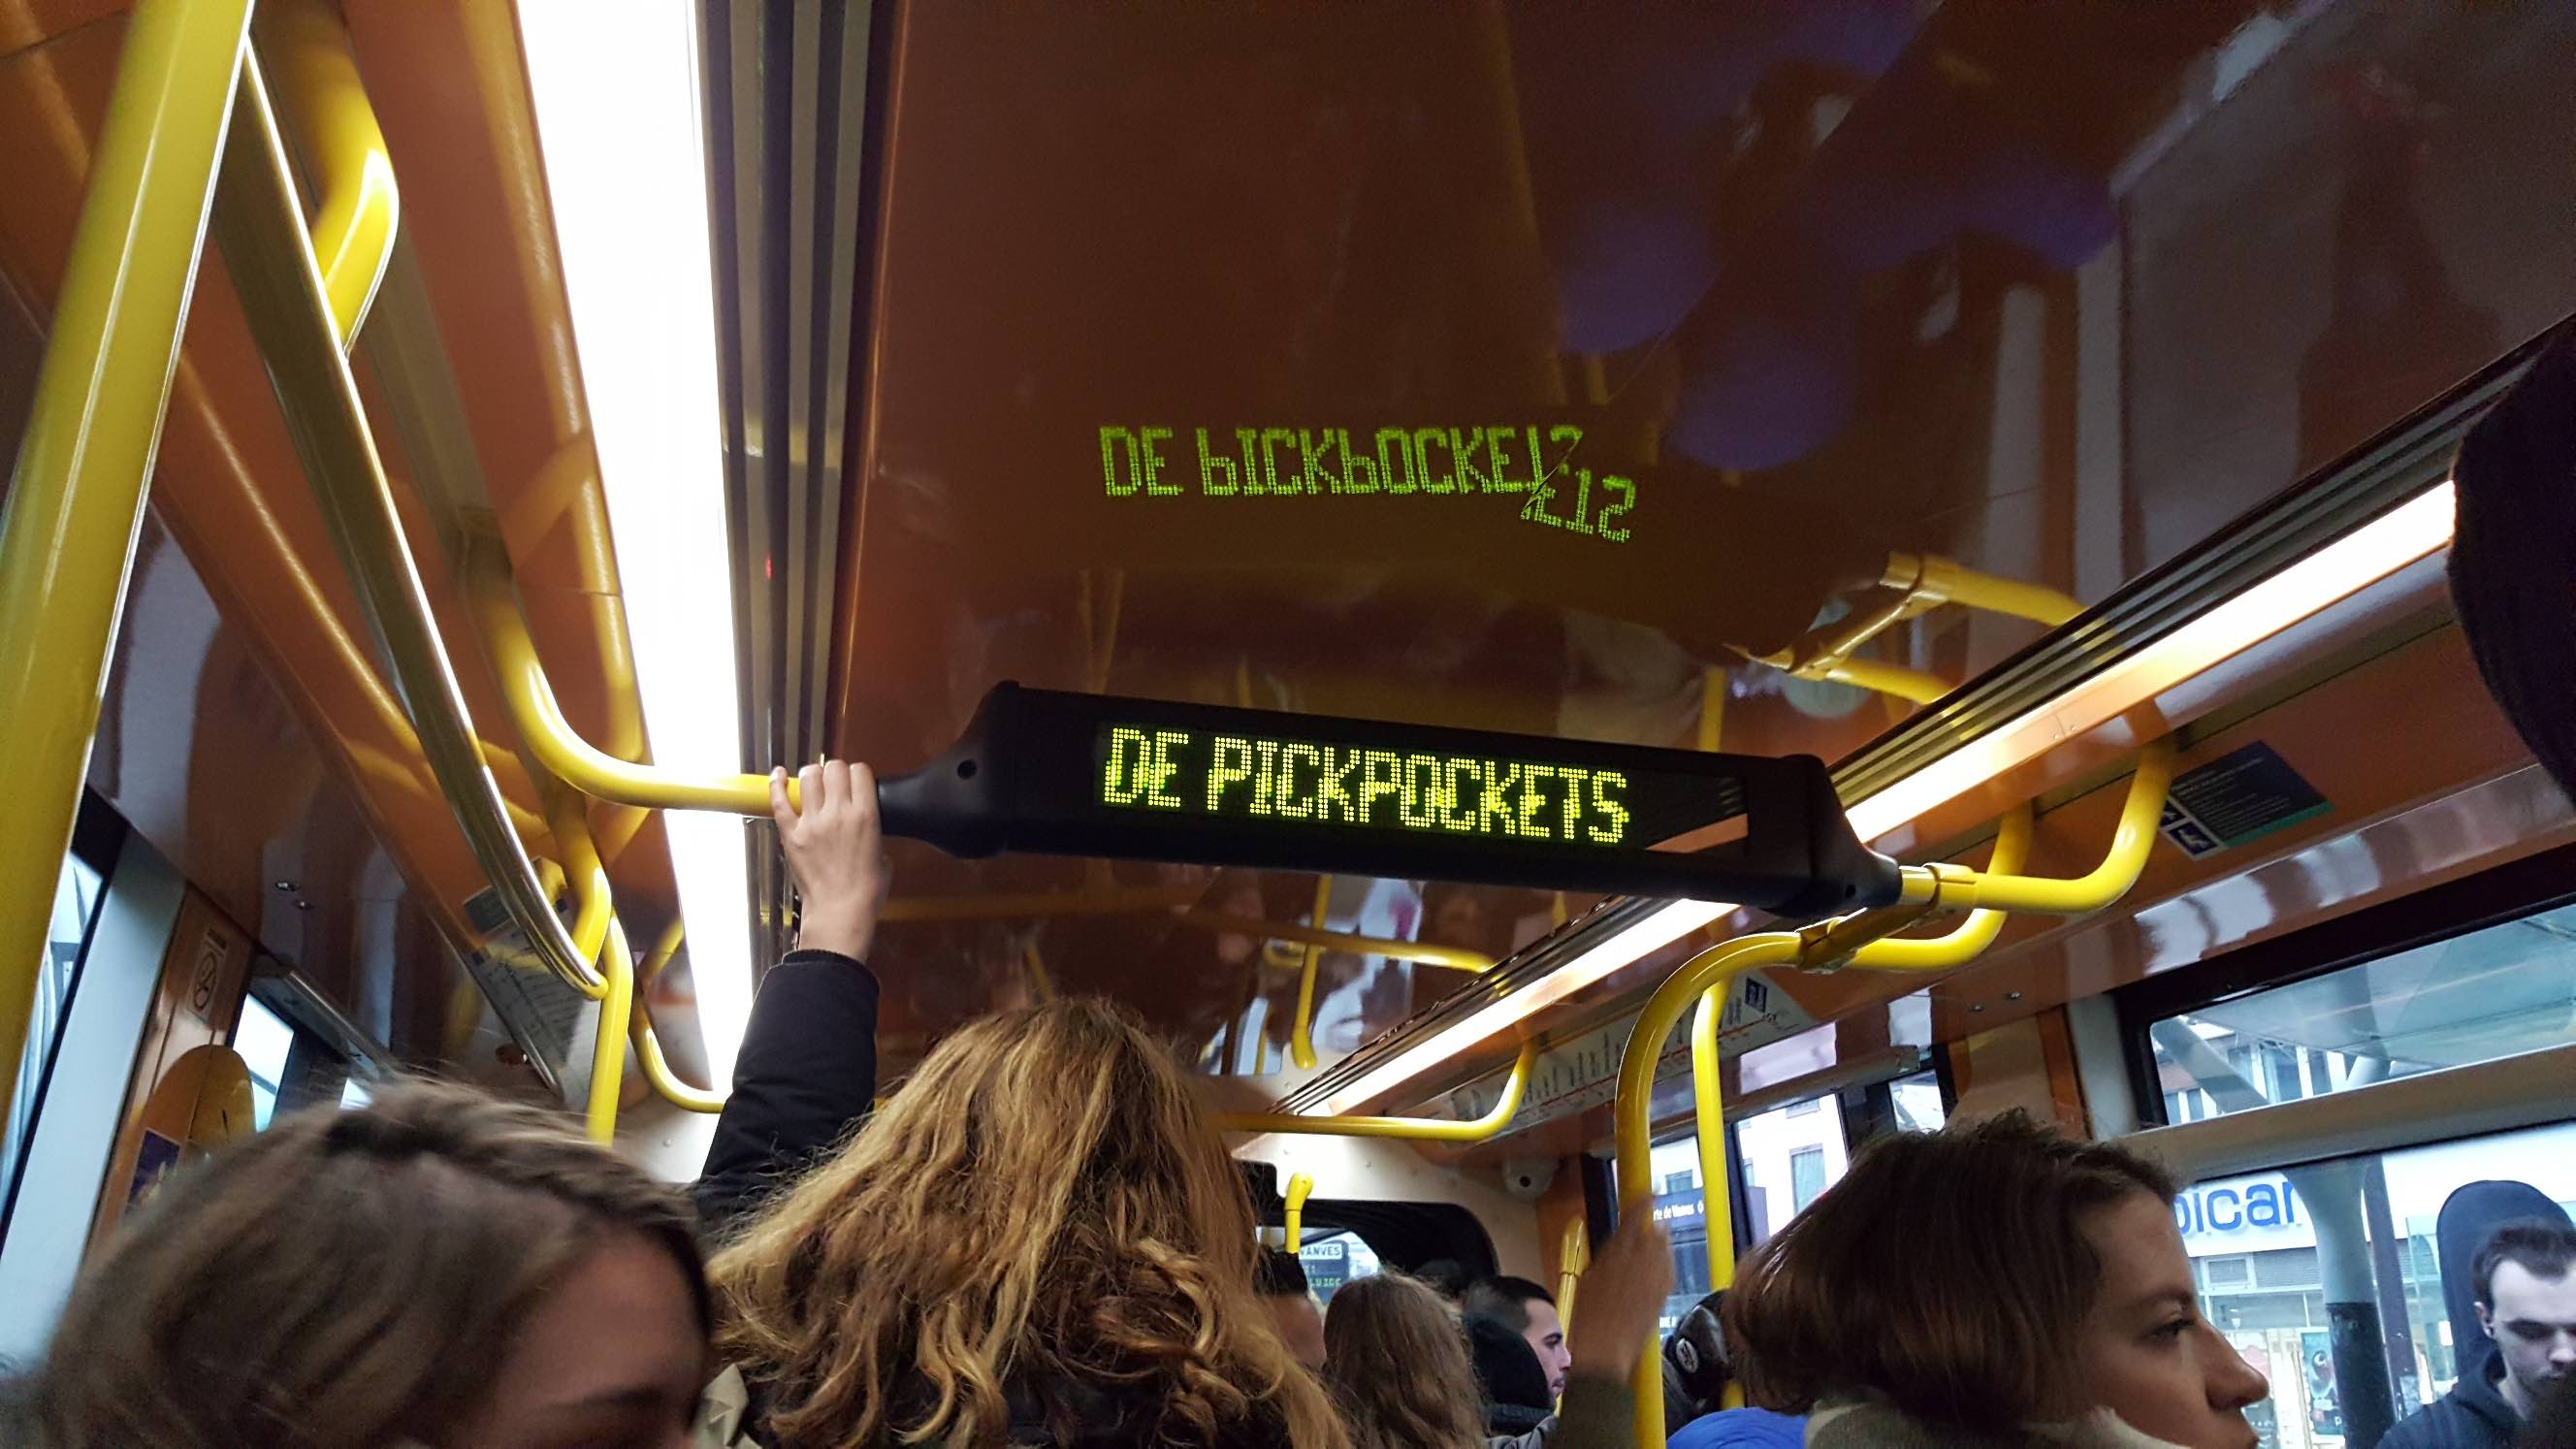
<point>1708,972</point>
<point>483,571</point>
<point>323,100</point>
<point>1301,1028</point>
<point>1972,935</point>
<point>1299,1185</point>
<point>1455,958</point>
<point>2003,891</point>
<point>261,228</point>
<point>76,492</point>
<point>1034,905</point>
<point>1412,1129</point>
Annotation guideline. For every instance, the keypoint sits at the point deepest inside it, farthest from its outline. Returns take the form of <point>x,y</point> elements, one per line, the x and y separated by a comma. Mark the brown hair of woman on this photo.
<point>1397,1363</point>
<point>347,1280</point>
<point>1946,1271</point>
<point>1042,1207</point>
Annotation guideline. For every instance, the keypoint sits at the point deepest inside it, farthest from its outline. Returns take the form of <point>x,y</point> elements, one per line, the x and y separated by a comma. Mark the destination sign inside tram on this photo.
<point>1092,775</point>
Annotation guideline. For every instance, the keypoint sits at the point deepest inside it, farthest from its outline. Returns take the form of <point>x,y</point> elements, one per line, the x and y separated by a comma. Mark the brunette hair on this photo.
<point>1043,1202</point>
<point>343,1280</point>
<point>1396,1358</point>
<point>2542,1248</point>
<point>1946,1272</point>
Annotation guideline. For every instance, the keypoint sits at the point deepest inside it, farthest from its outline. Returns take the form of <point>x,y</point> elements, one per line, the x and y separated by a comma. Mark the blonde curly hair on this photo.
<point>1042,1204</point>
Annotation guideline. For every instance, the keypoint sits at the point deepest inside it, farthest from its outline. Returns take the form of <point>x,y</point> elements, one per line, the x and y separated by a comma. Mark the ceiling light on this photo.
<point>615,88</point>
<point>2412,531</point>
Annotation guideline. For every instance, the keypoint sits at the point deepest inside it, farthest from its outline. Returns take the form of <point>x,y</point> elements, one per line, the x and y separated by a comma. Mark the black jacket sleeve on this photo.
<point>806,1073</point>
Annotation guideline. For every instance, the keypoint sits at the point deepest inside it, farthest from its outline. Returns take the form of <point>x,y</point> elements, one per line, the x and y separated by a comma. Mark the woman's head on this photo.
<point>1397,1360</point>
<point>437,1268</point>
<point>1987,1277</point>
<point>1041,1200</point>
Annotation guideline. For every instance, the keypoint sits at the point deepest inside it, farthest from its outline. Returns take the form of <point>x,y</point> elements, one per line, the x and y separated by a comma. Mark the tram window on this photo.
<point>1789,1159</point>
<point>2291,1264</point>
<point>1918,1102</point>
<point>2488,993</point>
<point>1333,1261</point>
<point>265,1041</point>
<point>77,892</point>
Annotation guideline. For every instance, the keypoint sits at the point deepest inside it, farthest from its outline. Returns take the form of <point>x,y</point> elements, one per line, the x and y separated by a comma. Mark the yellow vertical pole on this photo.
<point>75,499</point>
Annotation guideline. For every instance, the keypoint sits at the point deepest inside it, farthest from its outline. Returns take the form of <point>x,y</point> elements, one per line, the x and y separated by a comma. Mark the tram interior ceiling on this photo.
<point>1372,540</point>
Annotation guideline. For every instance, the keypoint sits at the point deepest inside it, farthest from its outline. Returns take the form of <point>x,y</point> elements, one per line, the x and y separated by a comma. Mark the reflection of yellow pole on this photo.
<point>1455,958</point>
<point>1412,1129</point>
<point>648,1043</point>
<point>1573,1255</point>
<point>1301,1031</point>
<point>1912,685</point>
<point>1039,985</point>
<point>75,498</point>
<point>1299,1185</point>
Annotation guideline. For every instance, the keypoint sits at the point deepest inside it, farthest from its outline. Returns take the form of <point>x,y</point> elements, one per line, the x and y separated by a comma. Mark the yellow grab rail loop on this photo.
<point>1411,1129</point>
<point>1861,940</point>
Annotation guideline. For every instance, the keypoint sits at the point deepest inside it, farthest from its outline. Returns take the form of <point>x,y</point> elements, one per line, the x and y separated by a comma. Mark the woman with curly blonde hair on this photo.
<point>1039,1238</point>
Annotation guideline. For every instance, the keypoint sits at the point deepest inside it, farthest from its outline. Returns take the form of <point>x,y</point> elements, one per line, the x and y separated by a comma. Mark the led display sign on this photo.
<point>1091,775</point>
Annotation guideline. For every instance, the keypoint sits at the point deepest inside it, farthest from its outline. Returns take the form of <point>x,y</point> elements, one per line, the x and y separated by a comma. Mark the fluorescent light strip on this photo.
<point>2414,530</point>
<point>615,88</point>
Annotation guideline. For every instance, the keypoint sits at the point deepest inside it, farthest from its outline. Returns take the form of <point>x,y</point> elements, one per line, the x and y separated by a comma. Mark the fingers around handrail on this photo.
<point>1413,1129</point>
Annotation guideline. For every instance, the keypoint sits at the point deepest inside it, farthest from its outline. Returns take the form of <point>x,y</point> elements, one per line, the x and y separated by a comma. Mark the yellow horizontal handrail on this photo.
<point>1412,1129</point>
<point>484,573</point>
<point>1455,958</point>
<point>1299,1186</point>
<point>1953,889</point>
<point>326,104</point>
<point>74,504</point>
<point>260,226</point>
